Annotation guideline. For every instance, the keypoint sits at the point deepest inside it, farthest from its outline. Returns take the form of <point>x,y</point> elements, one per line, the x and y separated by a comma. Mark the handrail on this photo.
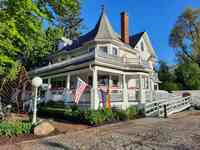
<point>173,104</point>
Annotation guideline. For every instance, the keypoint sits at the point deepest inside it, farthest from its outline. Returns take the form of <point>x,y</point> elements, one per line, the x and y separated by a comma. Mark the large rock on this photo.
<point>43,128</point>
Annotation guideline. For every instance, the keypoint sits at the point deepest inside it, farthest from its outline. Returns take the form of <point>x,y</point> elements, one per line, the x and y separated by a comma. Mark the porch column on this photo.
<point>94,92</point>
<point>149,83</point>
<point>152,85</point>
<point>68,81</point>
<point>142,98</point>
<point>125,93</point>
<point>48,89</point>
<point>150,88</point>
<point>110,82</point>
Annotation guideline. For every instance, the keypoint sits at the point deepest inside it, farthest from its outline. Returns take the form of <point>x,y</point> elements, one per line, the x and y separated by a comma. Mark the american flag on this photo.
<point>81,85</point>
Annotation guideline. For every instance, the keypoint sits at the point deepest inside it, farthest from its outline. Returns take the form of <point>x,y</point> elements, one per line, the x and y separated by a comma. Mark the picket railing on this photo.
<point>173,105</point>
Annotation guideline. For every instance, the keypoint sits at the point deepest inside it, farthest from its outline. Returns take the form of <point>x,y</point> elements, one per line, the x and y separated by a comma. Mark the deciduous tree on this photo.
<point>188,75</point>
<point>185,36</point>
<point>26,28</point>
<point>167,77</point>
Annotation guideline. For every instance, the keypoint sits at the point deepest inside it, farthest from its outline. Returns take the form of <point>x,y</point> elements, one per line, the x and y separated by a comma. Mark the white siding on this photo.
<point>145,54</point>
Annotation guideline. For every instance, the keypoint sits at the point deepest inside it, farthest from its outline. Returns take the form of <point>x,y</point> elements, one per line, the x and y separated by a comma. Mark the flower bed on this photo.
<point>88,116</point>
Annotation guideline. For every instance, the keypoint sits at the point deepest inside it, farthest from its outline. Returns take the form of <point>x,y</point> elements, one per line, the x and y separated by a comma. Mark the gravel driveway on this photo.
<point>179,132</point>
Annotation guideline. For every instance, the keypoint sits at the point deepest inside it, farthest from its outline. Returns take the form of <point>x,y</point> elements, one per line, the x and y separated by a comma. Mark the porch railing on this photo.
<point>116,94</point>
<point>58,95</point>
<point>133,94</point>
<point>122,61</point>
<point>173,104</point>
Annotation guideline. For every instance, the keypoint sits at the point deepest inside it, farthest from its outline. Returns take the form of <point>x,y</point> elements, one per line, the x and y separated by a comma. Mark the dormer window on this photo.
<point>103,50</point>
<point>114,51</point>
<point>142,46</point>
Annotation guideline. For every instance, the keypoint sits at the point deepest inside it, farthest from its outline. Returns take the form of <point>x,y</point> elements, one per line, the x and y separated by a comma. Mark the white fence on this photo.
<point>173,105</point>
<point>159,95</point>
<point>195,94</point>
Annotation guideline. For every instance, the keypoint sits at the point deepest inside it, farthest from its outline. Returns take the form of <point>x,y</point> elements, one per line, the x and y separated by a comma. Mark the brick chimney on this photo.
<point>124,27</point>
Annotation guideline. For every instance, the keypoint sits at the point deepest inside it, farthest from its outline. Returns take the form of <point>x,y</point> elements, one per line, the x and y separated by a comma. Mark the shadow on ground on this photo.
<point>56,145</point>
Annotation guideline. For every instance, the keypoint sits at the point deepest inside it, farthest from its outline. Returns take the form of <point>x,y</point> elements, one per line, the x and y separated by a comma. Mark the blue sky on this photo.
<point>157,17</point>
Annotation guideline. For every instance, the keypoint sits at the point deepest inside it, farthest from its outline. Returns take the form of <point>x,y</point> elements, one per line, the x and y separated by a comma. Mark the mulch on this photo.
<point>5,140</point>
<point>60,127</point>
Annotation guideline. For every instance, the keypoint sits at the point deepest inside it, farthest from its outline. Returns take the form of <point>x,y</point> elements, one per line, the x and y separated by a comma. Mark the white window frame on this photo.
<point>106,53</point>
<point>116,48</point>
<point>104,45</point>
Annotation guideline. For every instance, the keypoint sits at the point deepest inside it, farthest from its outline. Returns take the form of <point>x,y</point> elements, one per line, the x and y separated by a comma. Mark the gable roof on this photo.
<point>134,39</point>
<point>151,49</point>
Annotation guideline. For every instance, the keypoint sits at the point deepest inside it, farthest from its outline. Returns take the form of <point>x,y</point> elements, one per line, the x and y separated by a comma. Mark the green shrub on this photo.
<point>109,116</point>
<point>74,107</point>
<point>15,128</point>
<point>51,112</point>
<point>53,104</point>
<point>76,114</point>
<point>120,115</point>
<point>141,112</point>
<point>25,127</point>
<point>88,116</point>
<point>95,117</point>
<point>132,112</point>
<point>170,86</point>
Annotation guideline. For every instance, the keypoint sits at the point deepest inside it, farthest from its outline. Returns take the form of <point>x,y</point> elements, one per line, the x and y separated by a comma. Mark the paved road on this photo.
<point>179,132</point>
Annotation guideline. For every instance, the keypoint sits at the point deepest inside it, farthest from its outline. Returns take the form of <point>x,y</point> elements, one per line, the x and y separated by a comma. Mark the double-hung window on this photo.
<point>114,51</point>
<point>103,50</point>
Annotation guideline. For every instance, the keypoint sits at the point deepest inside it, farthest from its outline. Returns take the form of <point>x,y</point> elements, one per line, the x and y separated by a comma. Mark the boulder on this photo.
<point>43,128</point>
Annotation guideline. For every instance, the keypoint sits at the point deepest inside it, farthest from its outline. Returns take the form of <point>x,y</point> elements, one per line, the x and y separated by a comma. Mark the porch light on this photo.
<point>36,82</point>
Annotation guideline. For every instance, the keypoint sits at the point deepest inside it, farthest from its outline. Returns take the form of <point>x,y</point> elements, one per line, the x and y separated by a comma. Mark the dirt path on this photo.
<point>179,132</point>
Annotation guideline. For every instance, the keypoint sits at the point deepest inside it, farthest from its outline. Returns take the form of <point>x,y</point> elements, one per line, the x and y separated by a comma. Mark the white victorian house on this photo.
<point>104,59</point>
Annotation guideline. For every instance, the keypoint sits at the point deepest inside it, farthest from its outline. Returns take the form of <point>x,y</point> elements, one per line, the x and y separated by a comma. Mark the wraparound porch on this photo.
<point>127,88</point>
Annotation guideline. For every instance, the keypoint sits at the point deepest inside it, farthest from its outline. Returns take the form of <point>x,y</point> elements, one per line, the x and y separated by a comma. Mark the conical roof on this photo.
<point>104,29</point>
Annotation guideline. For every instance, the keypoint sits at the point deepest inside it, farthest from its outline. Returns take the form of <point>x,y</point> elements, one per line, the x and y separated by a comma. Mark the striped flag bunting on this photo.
<point>81,85</point>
